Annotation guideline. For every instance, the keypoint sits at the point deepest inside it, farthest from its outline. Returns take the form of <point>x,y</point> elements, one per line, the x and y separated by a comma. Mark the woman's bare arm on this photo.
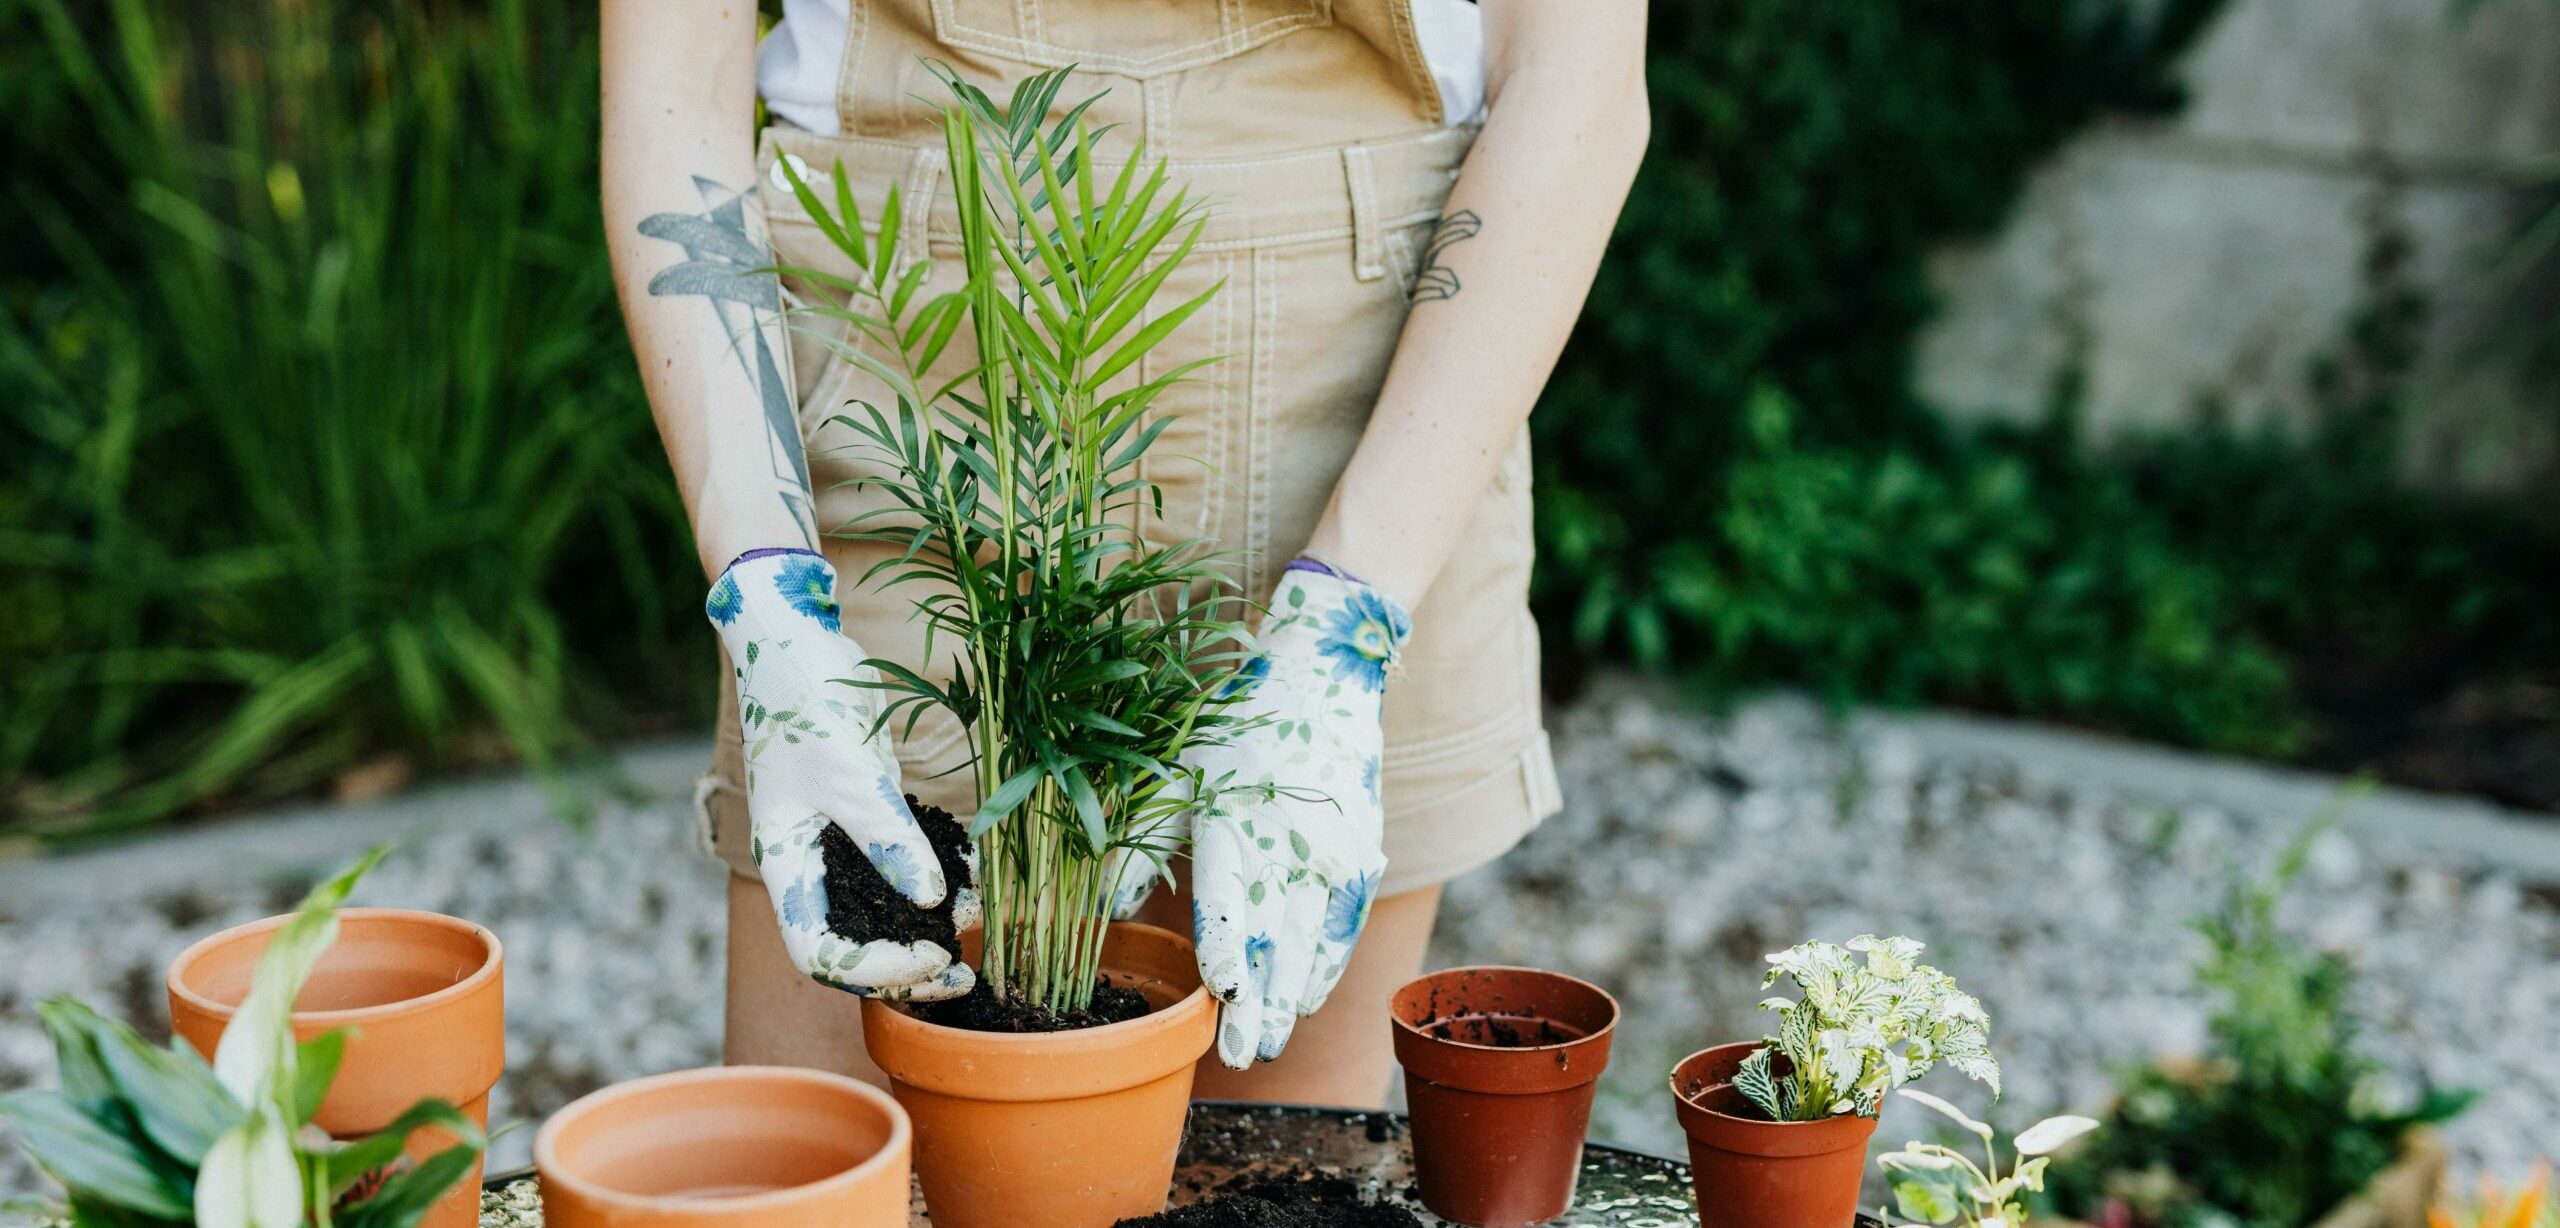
<point>1507,272</point>
<point>686,231</point>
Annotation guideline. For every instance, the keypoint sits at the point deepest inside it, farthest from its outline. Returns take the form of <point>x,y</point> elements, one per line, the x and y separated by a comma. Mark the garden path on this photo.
<point>2052,874</point>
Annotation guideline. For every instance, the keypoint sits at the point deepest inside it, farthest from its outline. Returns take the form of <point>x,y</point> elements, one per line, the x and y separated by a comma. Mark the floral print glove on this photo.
<point>1284,865</point>
<point>811,762</point>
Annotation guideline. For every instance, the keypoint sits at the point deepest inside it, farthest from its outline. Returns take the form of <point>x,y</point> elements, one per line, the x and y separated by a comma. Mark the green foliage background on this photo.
<point>319,441</point>
<point>2287,1114</point>
<point>1737,480</point>
<point>318,436</point>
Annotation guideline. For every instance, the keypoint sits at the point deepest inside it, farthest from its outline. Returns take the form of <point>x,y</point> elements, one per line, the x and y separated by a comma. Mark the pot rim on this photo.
<point>493,956</point>
<point>1692,1102</point>
<point>546,1140</point>
<point>1109,1033</point>
<point>1688,1099</point>
<point>1616,1012</point>
<point>1012,1067</point>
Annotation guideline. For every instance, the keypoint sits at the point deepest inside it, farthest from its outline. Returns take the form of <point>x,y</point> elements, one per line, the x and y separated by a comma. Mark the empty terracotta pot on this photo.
<point>1499,1067</point>
<point>728,1147</point>
<point>422,997</point>
<point>1750,1172</point>
<point>1060,1129</point>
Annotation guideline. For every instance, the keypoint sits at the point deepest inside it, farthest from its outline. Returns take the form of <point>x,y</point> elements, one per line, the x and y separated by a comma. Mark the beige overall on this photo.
<point>1313,129</point>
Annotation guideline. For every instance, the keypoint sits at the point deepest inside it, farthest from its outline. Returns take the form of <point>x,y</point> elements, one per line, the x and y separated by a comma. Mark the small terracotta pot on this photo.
<point>423,998</point>
<point>727,1147</point>
<point>1061,1129</point>
<point>1749,1172</point>
<point>1499,1068</point>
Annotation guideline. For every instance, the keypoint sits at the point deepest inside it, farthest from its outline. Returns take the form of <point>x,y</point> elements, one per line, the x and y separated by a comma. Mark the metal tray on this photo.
<point>1620,1188</point>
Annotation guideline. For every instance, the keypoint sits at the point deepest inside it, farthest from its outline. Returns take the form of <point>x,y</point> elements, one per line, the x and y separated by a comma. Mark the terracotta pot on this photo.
<point>422,997</point>
<point>1750,1172</point>
<point>767,1146</point>
<point>1061,1129</point>
<point>1499,1068</point>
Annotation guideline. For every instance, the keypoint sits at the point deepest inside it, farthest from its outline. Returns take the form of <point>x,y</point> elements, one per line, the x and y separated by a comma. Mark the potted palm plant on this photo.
<point>142,1135</point>
<point>1088,658</point>
<point>1778,1127</point>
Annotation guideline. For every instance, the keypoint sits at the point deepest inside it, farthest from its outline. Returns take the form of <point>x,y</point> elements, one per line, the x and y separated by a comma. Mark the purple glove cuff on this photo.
<point>1309,562</point>
<point>770,551</point>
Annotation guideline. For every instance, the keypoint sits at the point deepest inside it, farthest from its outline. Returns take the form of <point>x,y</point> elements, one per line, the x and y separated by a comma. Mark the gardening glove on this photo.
<point>811,761</point>
<point>1285,855</point>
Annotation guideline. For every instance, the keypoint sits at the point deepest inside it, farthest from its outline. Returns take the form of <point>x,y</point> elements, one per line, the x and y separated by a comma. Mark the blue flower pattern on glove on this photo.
<point>804,904</point>
<point>1284,878</point>
<point>1247,675</point>
<point>1361,636</point>
<point>897,865</point>
<point>814,761</point>
<point>725,601</point>
<point>1257,962</point>
<point>809,585</point>
<point>1346,910</point>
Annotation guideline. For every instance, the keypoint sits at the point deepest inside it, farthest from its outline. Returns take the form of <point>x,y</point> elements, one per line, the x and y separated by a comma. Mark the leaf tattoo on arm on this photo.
<point>722,263</point>
<point>1438,281</point>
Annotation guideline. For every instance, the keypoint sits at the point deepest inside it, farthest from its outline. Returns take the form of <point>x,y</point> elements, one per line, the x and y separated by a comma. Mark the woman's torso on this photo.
<point>801,63</point>
<point>1314,133</point>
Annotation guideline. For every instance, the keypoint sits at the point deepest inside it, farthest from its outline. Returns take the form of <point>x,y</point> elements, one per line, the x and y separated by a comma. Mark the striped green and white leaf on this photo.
<point>1867,1018</point>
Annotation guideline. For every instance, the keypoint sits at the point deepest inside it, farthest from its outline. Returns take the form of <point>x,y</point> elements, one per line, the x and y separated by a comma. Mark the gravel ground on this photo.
<point>1690,846</point>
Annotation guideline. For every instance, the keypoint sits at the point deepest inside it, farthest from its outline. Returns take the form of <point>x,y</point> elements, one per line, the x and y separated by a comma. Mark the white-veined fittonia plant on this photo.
<point>1871,1017</point>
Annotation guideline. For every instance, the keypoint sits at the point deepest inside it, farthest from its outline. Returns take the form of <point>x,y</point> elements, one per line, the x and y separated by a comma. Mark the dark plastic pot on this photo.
<point>1749,1172</point>
<point>1499,1068</point>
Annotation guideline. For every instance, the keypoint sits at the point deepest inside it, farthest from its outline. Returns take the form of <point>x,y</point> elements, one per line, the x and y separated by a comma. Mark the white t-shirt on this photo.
<point>797,64</point>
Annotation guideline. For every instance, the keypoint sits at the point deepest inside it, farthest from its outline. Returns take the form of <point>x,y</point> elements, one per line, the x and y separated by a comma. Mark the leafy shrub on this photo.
<point>2280,1123</point>
<point>1735,478</point>
<point>1804,159</point>
<point>318,436</point>
<point>1970,570</point>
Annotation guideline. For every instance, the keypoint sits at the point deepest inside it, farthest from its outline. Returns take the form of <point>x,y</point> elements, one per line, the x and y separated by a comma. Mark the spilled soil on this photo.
<point>1285,1200</point>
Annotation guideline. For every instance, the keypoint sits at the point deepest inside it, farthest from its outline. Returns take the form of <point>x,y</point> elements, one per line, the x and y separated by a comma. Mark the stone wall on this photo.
<point>2217,257</point>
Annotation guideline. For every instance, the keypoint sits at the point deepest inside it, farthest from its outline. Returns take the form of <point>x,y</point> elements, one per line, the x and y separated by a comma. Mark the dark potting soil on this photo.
<point>1285,1200</point>
<point>862,905</point>
<point>982,1010</point>
<point>1502,1031</point>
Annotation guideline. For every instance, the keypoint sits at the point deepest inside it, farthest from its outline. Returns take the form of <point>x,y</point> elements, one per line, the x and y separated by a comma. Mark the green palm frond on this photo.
<point>1088,656</point>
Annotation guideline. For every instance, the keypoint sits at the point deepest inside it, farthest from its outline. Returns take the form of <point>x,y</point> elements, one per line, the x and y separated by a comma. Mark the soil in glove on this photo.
<point>1303,1200</point>
<point>863,907</point>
